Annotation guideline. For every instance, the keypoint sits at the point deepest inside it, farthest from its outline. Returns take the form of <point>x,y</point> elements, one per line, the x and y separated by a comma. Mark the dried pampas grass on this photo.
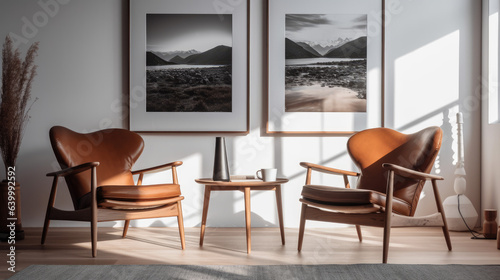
<point>17,77</point>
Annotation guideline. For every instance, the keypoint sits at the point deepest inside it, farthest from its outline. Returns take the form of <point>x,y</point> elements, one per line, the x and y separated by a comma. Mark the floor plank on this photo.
<point>227,246</point>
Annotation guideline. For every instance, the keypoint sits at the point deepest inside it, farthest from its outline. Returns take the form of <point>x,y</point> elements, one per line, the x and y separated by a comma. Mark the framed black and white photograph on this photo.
<point>188,66</point>
<point>325,66</point>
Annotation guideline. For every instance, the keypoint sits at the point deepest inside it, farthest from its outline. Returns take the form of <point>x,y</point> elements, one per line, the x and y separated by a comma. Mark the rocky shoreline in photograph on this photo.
<point>344,74</point>
<point>189,90</point>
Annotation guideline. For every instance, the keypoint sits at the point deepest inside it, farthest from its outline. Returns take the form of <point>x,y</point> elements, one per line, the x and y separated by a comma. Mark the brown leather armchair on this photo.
<point>97,169</point>
<point>393,169</point>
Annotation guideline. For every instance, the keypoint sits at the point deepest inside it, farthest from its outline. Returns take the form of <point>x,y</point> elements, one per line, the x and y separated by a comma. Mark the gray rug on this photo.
<point>288,272</point>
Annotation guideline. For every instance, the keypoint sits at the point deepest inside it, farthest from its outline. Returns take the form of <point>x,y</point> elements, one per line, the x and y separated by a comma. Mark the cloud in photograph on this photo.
<point>324,27</point>
<point>174,32</point>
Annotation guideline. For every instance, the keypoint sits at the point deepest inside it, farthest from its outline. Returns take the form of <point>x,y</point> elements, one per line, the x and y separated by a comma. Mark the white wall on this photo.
<point>433,65</point>
<point>490,195</point>
<point>433,51</point>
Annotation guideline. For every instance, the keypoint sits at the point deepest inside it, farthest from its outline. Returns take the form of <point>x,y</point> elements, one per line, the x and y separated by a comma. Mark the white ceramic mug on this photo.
<point>267,174</point>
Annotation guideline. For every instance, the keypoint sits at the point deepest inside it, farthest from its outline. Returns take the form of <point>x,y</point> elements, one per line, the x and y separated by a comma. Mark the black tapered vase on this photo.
<point>221,168</point>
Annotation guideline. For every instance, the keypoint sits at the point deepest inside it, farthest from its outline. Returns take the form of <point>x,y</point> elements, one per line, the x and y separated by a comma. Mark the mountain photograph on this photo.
<point>197,76</point>
<point>325,63</point>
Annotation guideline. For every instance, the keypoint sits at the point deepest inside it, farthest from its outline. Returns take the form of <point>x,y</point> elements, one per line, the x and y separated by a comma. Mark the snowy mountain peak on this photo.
<point>324,47</point>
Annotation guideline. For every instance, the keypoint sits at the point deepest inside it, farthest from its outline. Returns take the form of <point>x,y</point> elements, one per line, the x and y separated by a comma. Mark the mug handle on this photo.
<point>257,174</point>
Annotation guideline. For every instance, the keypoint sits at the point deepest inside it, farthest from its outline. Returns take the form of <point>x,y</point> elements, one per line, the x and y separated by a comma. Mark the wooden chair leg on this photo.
<point>447,236</point>
<point>440,208</point>
<point>388,216</point>
<point>445,227</point>
<point>93,212</point>
<point>181,225</point>
<point>387,235</point>
<point>45,229</point>
<point>93,232</point>
<point>360,235</point>
<point>125,228</point>
<point>302,226</point>
<point>50,205</point>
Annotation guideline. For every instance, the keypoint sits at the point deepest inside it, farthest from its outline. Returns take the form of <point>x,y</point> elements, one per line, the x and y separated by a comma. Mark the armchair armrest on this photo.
<point>409,173</point>
<point>70,171</point>
<point>328,170</point>
<point>73,170</point>
<point>167,166</point>
<point>158,168</point>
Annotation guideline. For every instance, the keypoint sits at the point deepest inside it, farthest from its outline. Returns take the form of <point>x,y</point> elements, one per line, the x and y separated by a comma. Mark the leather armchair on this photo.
<point>97,168</point>
<point>393,170</point>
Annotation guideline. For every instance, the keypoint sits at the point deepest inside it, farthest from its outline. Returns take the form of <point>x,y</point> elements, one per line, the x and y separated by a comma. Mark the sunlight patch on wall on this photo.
<point>422,96</point>
<point>250,153</point>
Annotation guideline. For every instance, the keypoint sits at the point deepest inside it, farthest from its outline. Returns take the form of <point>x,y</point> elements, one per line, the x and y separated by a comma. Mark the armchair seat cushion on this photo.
<point>352,197</point>
<point>138,193</point>
<point>141,196</point>
<point>137,205</point>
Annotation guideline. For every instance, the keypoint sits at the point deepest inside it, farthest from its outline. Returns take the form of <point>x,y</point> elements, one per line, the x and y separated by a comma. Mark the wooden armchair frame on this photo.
<point>372,216</point>
<point>94,214</point>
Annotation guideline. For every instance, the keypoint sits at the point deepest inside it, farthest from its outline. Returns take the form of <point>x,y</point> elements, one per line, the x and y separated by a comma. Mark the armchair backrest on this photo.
<point>369,149</point>
<point>115,149</point>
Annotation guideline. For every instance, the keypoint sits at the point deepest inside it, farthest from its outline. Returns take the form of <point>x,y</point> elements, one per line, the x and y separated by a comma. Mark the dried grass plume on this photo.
<point>17,77</point>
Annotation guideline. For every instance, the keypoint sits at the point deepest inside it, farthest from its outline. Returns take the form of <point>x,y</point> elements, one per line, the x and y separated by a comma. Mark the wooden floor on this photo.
<point>227,246</point>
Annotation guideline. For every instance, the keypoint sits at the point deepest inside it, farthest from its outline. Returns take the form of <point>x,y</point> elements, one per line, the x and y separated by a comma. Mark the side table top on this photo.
<point>241,181</point>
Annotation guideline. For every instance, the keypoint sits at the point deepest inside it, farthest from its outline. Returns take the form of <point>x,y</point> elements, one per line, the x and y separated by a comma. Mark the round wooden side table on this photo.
<point>241,183</point>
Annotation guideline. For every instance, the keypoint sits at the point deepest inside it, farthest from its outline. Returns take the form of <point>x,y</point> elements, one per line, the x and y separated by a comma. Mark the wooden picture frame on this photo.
<point>306,94</point>
<point>189,66</point>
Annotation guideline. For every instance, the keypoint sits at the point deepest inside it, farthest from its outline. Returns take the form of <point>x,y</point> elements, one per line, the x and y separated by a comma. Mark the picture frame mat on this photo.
<point>279,121</point>
<point>143,121</point>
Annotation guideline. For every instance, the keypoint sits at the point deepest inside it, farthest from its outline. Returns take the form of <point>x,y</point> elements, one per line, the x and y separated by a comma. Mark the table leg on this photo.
<point>280,213</point>
<point>247,218</point>
<point>206,200</point>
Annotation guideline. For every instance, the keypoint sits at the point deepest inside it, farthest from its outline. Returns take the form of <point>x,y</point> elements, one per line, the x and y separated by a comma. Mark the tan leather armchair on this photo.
<point>393,169</point>
<point>97,169</point>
